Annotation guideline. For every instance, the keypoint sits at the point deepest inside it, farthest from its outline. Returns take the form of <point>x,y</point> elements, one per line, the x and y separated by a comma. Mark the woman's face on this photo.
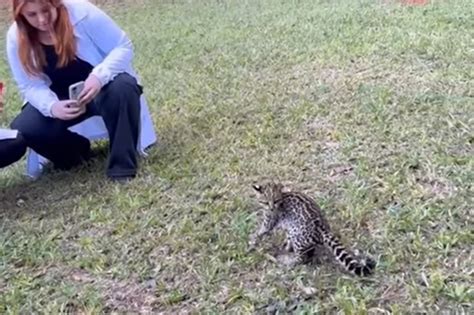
<point>40,14</point>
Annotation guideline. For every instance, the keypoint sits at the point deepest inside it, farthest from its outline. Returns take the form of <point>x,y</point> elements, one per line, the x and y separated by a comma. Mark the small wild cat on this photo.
<point>305,227</point>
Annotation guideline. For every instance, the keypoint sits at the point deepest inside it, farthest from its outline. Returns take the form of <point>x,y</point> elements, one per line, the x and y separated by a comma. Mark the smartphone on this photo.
<point>75,89</point>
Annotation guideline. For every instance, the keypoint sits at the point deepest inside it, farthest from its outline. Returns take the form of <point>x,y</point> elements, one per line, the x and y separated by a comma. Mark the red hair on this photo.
<point>31,53</point>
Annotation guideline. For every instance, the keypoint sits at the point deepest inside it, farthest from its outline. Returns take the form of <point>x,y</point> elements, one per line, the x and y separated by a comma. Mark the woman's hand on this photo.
<point>92,87</point>
<point>67,109</point>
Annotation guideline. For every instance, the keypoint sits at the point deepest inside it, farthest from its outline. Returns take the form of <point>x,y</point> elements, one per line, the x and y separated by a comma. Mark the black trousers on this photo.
<point>11,150</point>
<point>119,105</point>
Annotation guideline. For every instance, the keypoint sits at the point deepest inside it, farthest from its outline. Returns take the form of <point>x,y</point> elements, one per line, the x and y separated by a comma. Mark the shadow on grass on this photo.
<point>57,191</point>
<point>45,195</point>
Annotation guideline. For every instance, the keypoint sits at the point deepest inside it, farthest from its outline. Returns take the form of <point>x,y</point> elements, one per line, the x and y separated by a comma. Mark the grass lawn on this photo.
<point>367,106</point>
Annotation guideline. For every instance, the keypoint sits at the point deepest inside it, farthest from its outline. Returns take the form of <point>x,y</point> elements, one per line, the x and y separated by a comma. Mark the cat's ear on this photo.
<point>257,188</point>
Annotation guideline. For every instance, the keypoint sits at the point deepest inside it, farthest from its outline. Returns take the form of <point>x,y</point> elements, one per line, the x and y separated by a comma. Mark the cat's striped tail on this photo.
<point>359,267</point>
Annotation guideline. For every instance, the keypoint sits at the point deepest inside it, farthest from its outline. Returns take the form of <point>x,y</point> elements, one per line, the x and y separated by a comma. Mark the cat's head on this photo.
<point>269,194</point>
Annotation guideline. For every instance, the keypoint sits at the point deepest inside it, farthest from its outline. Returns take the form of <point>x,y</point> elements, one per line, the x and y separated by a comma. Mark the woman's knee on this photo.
<point>27,120</point>
<point>123,85</point>
<point>35,126</point>
<point>122,94</point>
<point>11,150</point>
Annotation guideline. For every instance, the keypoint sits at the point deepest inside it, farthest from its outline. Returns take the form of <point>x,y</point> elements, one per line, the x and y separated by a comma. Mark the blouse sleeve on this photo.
<point>34,89</point>
<point>111,41</point>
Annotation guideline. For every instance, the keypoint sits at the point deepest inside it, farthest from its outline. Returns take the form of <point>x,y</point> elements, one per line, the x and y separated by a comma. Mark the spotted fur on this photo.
<point>305,226</point>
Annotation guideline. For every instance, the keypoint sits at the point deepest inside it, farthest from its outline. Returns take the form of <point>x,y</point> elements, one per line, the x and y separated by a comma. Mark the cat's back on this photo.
<point>303,208</point>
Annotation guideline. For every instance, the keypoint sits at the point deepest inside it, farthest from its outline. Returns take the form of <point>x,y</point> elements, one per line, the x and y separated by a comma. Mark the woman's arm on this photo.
<point>34,89</point>
<point>111,40</point>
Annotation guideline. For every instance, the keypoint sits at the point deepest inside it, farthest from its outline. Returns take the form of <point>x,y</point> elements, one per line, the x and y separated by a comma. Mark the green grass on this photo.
<point>366,106</point>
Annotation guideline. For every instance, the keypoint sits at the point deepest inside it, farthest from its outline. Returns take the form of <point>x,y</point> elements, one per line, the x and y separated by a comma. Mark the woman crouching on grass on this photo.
<point>55,43</point>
